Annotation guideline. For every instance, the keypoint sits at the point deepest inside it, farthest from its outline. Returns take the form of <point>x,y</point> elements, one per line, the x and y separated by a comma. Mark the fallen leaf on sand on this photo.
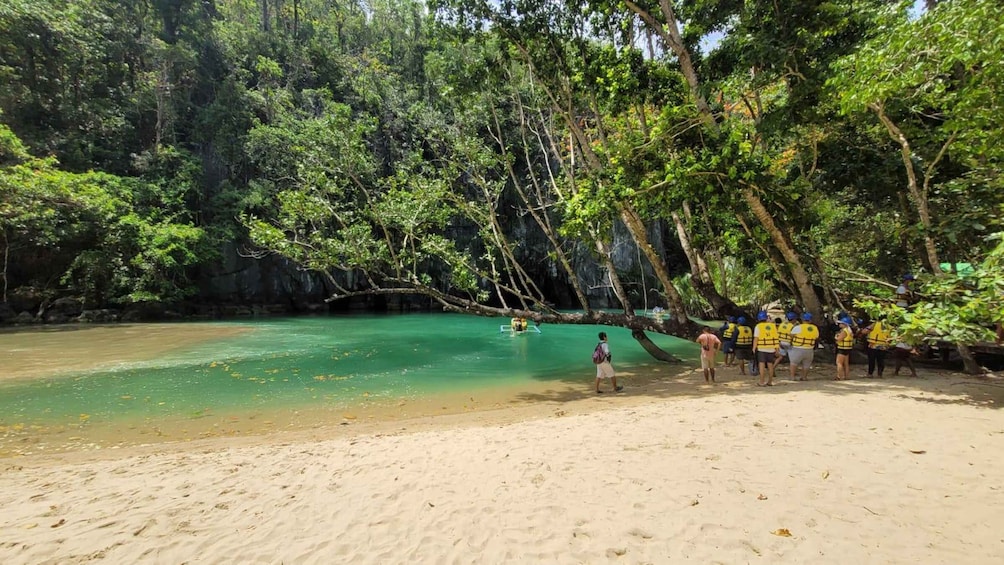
<point>695,502</point>
<point>783,532</point>
<point>826,474</point>
<point>917,451</point>
<point>59,523</point>
<point>761,497</point>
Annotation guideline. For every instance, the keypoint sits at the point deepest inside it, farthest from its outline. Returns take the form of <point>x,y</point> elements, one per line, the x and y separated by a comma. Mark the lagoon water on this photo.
<point>110,385</point>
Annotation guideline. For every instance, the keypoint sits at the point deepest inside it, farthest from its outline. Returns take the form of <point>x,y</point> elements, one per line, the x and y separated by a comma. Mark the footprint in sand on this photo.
<point>638,533</point>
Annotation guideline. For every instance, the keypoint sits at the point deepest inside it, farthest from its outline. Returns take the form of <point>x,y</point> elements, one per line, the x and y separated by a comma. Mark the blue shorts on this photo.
<point>728,347</point>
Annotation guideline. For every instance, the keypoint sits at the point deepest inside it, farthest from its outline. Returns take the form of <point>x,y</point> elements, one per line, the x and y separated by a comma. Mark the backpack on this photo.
<point>598,355</point>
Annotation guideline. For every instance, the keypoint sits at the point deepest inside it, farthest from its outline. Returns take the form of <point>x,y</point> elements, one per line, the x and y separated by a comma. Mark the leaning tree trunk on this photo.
<point>918,194</point>
<point>700,276</point>
<point>800,277</point>
<point>652,349</point>
<point>636,227</point>
<point>969,360</point>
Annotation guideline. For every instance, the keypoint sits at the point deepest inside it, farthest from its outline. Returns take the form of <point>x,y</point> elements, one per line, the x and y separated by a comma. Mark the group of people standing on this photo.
<point>764,346</point>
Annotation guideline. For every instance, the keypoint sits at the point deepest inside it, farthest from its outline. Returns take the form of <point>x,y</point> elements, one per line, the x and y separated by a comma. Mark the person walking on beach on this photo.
<point>743,344</point>
<point>709,348</point>
<point>729,332</point>
<point>784,335</point>
<point>903,354</point>
<point>604,370</point>
<point>879,341</point>
<point>803,346</point>
<point>765,344</point>
<point>845,344</point>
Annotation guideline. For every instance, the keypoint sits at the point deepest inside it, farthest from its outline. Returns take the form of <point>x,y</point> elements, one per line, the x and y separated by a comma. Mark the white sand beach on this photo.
<point>672,471</point>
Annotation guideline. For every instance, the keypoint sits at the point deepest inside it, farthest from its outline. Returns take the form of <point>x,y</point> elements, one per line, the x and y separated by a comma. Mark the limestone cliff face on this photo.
<point>236,279</point>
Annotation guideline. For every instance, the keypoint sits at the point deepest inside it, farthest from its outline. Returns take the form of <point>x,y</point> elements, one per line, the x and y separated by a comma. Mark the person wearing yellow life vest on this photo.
<point>744,344</point>
<point>784,335</point>
<point>803,346</point>
<point>729,332</point>
<point>765,344</point>
<point>879,340</point>
<point>845,343</point>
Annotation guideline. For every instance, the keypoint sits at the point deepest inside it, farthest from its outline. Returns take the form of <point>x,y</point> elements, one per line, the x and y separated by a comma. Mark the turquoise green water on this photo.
<point>333,362</point>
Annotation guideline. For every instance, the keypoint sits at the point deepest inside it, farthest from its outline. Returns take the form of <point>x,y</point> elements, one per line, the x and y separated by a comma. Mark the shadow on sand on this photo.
<point>671,381</point>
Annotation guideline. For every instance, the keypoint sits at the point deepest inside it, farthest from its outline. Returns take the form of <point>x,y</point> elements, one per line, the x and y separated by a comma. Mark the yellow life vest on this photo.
<point>845,339</point>
<point>729,331</point>
<point>768,335</point>
<point>806,337</point>
<point>878,337</point>
<point>745,335</point>
<point>784,331</point>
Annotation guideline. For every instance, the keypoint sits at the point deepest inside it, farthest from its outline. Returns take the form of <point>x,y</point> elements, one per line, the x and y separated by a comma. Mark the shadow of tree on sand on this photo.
<point>679,381</point>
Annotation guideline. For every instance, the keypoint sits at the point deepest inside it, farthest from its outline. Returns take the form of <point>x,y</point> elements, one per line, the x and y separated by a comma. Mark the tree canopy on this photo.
<point>516,157</point>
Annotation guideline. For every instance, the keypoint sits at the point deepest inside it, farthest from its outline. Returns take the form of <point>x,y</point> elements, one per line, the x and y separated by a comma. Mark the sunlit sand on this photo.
<point>673,471</point>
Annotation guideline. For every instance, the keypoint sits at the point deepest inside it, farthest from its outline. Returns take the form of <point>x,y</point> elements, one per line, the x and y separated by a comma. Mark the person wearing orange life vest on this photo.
<point>879,341</point>
<point>744,344</point>
<point>765,345</point>
<point>803,346</point>
<point>845,344</point>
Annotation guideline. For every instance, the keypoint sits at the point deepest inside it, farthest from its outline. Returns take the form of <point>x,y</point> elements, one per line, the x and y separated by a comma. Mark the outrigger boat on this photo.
<point>518,326</point>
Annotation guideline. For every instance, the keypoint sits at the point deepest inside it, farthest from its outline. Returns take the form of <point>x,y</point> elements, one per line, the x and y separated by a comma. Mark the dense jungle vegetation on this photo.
<point>512,157</point>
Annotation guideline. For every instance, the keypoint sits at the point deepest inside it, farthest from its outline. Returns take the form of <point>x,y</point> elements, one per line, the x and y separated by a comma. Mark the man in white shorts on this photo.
<point>803,346</point>
<point>710,344</point>
<point>604,370</point>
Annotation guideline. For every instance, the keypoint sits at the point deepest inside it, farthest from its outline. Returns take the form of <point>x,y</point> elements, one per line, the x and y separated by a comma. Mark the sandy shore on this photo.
<point>892,471</point>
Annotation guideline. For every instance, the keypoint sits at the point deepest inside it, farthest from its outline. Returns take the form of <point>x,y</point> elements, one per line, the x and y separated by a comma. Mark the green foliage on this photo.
<point>956,308</point>
<point>92,234</point>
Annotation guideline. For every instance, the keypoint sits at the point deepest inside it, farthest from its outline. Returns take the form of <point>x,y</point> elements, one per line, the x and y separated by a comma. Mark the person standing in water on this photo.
<point>709,348</point>
<point>604,369</point>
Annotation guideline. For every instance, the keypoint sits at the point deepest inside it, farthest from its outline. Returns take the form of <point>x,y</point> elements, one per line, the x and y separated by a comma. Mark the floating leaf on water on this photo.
<point>212,365</point>
<point>84,417</point>
<point>783,532</point>
<point>125,397</point>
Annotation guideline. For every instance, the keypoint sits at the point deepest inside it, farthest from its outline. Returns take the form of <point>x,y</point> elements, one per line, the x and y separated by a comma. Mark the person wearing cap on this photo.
<point>904,295</point>
<point>729,334</point>
<point>744,344</point>
<point>765,345</point>
<point>845,344</point>
<point>803,346</point>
